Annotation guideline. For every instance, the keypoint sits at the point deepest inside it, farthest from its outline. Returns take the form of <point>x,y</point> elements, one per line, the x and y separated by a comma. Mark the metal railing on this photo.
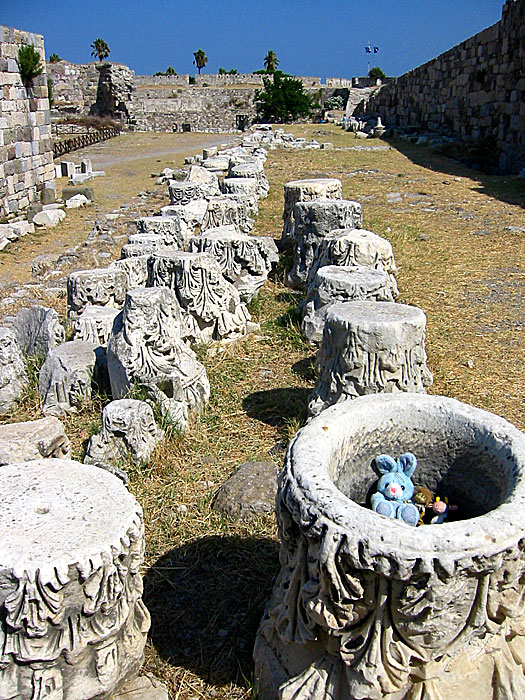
<point>60,148</point>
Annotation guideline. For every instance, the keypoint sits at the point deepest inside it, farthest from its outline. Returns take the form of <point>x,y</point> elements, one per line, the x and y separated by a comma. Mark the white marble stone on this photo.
<point>305,191</point>
<point>96,287</point>
<point>38,329</point>
<point>13,375</point>
<point>207,180</point>
<point>185,192</point>
<point>135,268</point>
<point>94,324</point>
<point>168,229</point>
<point>65,378</point>
<point>190,217</point>
<point>21,442</point>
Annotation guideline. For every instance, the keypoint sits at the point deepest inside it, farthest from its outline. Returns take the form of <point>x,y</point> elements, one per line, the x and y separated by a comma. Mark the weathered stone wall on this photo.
<point>205,109</point>
<point>224,80</point>
<point>74,86</point>
<point>473,92</point>
<point>26,149</point>
<point>149,80</point>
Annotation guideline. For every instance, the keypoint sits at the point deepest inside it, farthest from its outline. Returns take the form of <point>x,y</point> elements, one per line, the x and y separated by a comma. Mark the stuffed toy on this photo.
<point>441,509</point>
<point>423,498</point>
<point>395,488</point>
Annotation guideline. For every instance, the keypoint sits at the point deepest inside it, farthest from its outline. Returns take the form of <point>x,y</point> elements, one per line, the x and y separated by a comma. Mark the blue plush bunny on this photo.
<point>395,488</point>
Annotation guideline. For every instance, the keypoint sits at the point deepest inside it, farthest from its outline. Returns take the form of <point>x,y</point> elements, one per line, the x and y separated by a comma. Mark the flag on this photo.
<point>376,49</point>
<point>368,49</point>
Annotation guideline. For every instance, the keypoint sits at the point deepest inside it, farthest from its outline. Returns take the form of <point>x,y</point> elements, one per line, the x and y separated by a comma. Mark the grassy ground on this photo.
<point>207,577</point>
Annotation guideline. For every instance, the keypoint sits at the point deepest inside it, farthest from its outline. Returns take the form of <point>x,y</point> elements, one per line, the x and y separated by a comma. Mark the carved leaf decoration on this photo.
<point>34,605</point>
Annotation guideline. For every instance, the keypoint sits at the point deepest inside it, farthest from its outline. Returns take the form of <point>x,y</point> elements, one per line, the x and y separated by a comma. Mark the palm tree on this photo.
<point>100,49</point>
<point>200,59</point>
<point>271,62</point>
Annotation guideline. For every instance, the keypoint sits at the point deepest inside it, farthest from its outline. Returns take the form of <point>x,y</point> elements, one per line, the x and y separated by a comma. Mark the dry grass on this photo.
<point>207,577</point>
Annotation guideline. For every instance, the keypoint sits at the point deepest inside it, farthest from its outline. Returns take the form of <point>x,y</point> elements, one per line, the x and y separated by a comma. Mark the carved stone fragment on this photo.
<point>255,170</point>
<point>168,228</point>
<point>20,442</point>
<point>206,179</point>
<point>128,430</point>
<point>358,247</point>
<point>250,491</point>
<point>38,329</point>
<point>245,187</point>
<point>370,347</point>
<point>97,287</point>
<point>245,261</point>
<point>135,250</point>
<point>314,221</point>
<point>73,623</point>
<point>366,606</point>
<point>305,191</point>
<point>184,192</point>
<point>190,217</point>
<point>227,210</point>
<point>94,324</point>
<point>65,378</point>
<point>135,268</point>
<point>146,348</point>
<point>332,283</point>
<point>210,305</point>
<point>13,375</point>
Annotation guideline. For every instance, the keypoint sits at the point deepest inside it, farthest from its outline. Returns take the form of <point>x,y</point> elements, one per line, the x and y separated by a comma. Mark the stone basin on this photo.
<point>367,607</point>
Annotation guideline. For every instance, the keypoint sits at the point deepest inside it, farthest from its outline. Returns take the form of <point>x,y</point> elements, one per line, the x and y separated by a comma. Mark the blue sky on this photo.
<point>310,37</point>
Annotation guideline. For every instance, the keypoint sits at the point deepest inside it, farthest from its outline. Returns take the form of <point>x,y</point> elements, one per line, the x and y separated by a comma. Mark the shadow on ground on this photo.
<point>206,600</point>
<point>277,407</point>
<point>506,188</point>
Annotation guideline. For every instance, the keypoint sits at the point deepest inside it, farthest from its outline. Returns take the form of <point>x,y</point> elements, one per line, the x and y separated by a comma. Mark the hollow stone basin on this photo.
<point>367,607</point>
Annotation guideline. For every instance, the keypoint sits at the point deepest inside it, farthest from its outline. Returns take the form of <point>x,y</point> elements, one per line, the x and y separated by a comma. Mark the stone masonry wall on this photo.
<point>473,92</point>
<point>74,86</point>
<point>26,148</point>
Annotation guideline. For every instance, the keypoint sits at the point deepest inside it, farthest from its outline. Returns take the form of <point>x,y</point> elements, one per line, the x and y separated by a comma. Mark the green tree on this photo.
<point>223,71</point>
<point>376,72</point>
<point>100,49</point>
<point>200,60</point>
<point>29,64</point>
<point>54,58</point>
<point>271,62</point>
<point>282,99</point>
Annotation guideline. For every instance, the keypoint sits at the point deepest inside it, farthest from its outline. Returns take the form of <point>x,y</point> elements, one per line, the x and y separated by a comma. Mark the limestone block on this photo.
<point>250,491</point>
<point>38,329</point>
<point>13,376</point>
<point>210,305</point>
<point>245,261</point>
<point>97,287</point>
<point>65,378</point>
<point>49,218</point>
<point>226,210</point>
<point>366,606</point>
<point>245,187</point>
<point>94,324</point>
<point>370,347</point>
<point>21,442</point>
<point>128,430</point>
<point>255,170</point>
<point>333,283</point>
<point>305,191</point>
<point>73,623</point>
<point>313,222</point>
<point>203,177</point>
<point>148,240</point>
<point>76,201</point>
<point>135,250</point>
<point>135,268</point>
<point>146,347</point>
<point>168,229</point>
<point>190,217</point>
<point>185,192</point>
<point>358,247</point>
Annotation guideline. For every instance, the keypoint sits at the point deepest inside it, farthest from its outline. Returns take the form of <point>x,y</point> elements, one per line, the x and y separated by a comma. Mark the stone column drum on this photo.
<point>370,347</point>
<point>72,622</point>
<point>305,191</point>
<point>368,607</point>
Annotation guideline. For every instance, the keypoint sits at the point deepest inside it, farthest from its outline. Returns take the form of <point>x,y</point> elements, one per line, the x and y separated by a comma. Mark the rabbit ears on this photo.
<point>406,463</point>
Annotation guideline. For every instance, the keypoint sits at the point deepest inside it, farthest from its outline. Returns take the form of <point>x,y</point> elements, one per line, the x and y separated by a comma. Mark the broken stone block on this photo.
<point>167,228</point>
<point>21,442</point>
<point>65,378</point>
<point>206,179</point>
<point>97,287</point>
<point>135,250</point>
<point>13,376</point>
<point>211,307</point>
<point>135,268</point>
<point>245,260</point>
<point>245,187</point>
<point>49,218</point>
<point>76,201</point>
<point>226,210</point>
<point>38,329</point>
<point>146,347</point>
<point>370,347</point>
<point>249,492</point>
<point>305,191</point>
<point>94,324</point>
<point>190,217</point>
<point>332,283</point>
<point>351,247</point>
<point>185,192</point>
<point>313,222</point>
<point>128,430</point>
<point>72,550</point>
<point>255,170</point>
